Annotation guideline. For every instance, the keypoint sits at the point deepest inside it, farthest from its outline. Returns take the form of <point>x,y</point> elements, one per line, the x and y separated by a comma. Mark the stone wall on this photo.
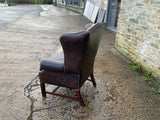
<point>138,34</point>
<point>101,3</point>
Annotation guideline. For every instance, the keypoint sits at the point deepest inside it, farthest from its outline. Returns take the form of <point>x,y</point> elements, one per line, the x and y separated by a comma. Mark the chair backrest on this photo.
<point>90,50</point>
<point>73,47</point>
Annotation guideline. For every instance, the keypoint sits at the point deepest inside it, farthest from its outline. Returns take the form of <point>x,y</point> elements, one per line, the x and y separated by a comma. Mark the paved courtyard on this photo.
<point>32,36</point>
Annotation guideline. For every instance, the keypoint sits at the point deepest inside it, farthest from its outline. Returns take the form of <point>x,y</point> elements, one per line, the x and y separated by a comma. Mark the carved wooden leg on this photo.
<point>93,80</point>
<point>43,91</point>
<point>80,98</point>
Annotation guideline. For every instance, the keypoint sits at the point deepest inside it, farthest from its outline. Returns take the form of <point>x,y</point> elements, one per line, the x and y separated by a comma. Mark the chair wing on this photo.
<point>73,47</point>
<point>94,38</point>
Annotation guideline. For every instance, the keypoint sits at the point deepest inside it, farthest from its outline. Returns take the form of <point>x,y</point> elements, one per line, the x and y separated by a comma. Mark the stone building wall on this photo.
<point>101,3</point>
<point>138,34</point>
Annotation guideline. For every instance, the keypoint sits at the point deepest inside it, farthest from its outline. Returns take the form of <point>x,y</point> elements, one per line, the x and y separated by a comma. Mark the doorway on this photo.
<point>113,11</point>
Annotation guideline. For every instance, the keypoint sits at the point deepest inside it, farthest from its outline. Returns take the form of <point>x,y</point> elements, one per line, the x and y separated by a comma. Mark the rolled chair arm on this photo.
<point>73,47</point>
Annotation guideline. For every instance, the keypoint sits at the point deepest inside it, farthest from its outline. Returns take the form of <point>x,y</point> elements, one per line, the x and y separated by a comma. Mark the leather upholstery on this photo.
<point>55,63</point>
<point>95,34</point>
<point>72,68</point>
<point>79,54</point>
<point>73,46</point>
<point>63,79</point>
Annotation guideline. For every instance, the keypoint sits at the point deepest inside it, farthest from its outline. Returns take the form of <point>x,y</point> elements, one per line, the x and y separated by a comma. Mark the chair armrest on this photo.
<point>88,26</point>
<point>73,47</point>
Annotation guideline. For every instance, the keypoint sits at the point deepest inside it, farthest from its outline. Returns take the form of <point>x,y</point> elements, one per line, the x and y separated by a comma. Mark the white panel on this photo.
<point>95,13</point>
<point>105,18</point>
<point>90,12</point>
<point>86,9</point>
<point>60,1</point>
<point>101,16</point>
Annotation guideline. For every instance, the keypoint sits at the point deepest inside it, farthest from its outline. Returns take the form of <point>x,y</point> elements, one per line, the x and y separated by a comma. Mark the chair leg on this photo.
<point>80,98</point>
<point>43,91</point>
<point>93,80</point>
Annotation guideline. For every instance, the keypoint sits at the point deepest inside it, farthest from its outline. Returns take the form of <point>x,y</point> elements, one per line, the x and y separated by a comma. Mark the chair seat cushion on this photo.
<point>55,63</point>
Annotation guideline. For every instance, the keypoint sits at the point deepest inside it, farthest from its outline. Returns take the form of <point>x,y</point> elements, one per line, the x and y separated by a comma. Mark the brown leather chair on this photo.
<point>73,67</point>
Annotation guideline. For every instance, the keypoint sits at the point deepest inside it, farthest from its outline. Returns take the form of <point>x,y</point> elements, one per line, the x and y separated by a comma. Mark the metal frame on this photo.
<point>108,13</point>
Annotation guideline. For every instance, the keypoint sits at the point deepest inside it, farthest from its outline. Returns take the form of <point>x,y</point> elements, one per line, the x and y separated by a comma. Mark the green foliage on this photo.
<point>133,66</point>
<point>49,1</point>
<point>159,90</point>
<point>139,72</point>
<point>2,1</point>
<point>139,65</point>
<point>148,78</point>
<point>154,90</point>
<point>149,72</point>
<point>149,83</point>
<point>136,67</point>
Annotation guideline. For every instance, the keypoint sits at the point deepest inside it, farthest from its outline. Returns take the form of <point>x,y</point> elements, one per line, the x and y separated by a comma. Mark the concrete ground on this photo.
<point>120,93</point>
<point>11,14</point>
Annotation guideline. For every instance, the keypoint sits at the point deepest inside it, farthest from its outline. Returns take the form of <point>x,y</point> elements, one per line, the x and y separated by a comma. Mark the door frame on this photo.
<point>108,17</point>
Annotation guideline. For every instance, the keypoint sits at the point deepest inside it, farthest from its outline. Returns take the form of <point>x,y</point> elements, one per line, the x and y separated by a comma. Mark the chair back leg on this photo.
<point>93,80</point>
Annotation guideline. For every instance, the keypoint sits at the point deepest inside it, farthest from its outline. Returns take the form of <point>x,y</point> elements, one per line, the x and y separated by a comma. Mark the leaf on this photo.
<point>151,78</point>
<point>139,65</point>
<point>134,67</point>
<point>149,72</point>
<point>155,92</point>
<point>139,72</point>
<point>131,64</point>
<point>149,83</point>
<point>159,90</point>
<point>89,106</point>
<point>153,89</point>
<point>147,78</point>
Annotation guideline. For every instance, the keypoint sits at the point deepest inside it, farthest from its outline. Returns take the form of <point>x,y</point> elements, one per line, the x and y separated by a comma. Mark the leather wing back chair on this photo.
<point>75,65</point>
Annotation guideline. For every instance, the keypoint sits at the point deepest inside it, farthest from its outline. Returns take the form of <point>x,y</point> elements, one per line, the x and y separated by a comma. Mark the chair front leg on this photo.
<point>43,91</point>
<point>93,80</point>
<point>80,97</point>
